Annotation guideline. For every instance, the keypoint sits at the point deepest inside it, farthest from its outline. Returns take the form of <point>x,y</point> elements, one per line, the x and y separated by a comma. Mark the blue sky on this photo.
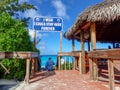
<point>68,10</point>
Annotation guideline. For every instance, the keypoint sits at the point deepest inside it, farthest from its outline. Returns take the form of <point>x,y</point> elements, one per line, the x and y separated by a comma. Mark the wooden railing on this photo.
<point>112,55</point>
<point>29,56</point>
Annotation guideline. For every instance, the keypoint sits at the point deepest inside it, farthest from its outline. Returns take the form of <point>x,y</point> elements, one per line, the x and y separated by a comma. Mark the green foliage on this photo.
<point>13,37</point>
<point>68,66</point>
<point>13,6</point>
<point>16,68</point>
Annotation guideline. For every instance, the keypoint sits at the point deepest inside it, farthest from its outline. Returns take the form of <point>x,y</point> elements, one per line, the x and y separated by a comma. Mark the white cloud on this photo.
<point>60,7</point>
<point>31,13</point>
<point>38,35</point>
<point>42,47</point>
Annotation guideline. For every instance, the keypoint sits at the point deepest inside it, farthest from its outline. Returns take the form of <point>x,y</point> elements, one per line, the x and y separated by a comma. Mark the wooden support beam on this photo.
<point>93,46</point>
<point>82,53</point>
<point>73,49</point>
<point>111,74</point>
<point>93,36</point>
<point>73,45</point>
<point>27,71</point>
<point>85,26</point>
<point>77,32</point>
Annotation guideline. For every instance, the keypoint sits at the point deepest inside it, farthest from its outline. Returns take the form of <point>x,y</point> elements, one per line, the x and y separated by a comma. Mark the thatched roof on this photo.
<point>106,15</point>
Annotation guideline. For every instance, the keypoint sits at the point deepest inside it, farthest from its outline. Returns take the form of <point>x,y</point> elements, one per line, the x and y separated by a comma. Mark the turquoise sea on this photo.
<point>44,59</point>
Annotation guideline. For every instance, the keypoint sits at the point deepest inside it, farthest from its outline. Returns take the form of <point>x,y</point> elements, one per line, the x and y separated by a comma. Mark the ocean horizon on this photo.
<point>44,59</point>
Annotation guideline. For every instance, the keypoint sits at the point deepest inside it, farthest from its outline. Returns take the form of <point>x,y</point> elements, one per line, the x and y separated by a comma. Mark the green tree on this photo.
<point>14,37</point>
<point>13,6</point>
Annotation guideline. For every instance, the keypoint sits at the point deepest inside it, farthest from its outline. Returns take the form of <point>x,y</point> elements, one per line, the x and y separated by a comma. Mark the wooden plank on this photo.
<point>2,55</point>
<point>109,53</point>
<point>111,74</point>
<point>64,53</point>
<point>73,53</point>
<point>21,55</point>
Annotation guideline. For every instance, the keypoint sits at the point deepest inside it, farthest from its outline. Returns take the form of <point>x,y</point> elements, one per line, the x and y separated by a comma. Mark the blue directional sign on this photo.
<point>47,23</point>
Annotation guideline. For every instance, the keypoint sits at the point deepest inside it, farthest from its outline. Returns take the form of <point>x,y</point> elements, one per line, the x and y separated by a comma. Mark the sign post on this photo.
<point>48,24</point>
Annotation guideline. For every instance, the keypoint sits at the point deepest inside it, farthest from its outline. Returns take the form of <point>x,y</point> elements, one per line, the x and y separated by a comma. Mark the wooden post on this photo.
<point>59,63</point>
<point>73,45</point>
<point>95,68</point>
<point>60,41</point>
<point>80,68</point>
<point>82,53</point>
<point>73,48</point>
<point>111,74</point>
<point>36,64</point>
<point>34,40</point>
<point>27,71</point>
<point>73,62</point>
<point>91,68</point>
<point>65,63</point>
<point>69,62</point>
<point>93,46</point>
<point>93,36</point>
<point>33,67</point>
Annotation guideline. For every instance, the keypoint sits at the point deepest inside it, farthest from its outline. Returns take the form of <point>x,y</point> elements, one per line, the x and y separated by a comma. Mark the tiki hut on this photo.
<point>99,23</point>
<point>105,15</point>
